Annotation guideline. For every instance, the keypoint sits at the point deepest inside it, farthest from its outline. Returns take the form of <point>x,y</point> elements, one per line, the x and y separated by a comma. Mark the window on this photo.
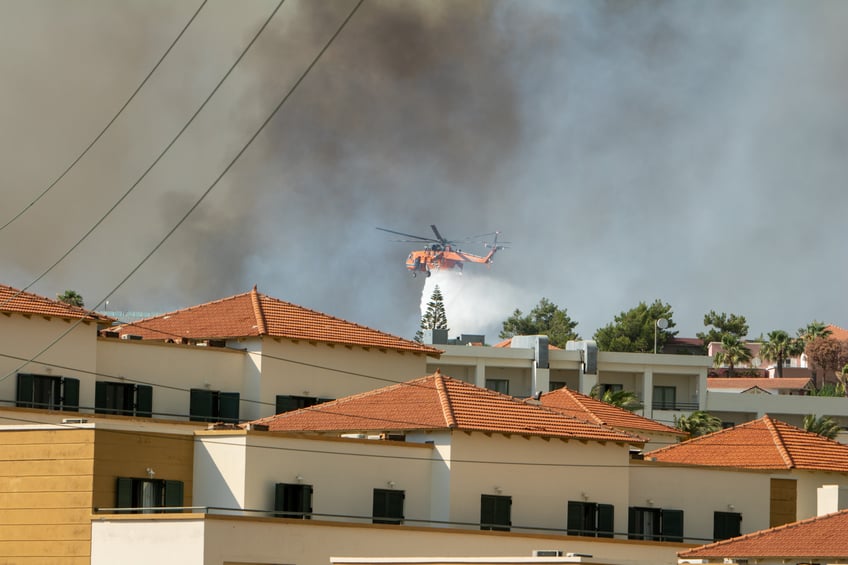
<point>148,494</point>
<point>213,406</point>
<point>590,519</point>
<point>556,385</point>
<point>123,398</point>
<point>498,385</point>
<point>665,397</point>
<point>726,525</point>
<point>293,501</point>
<point>43,391</point>
<point>287,403</point>
<point>388,506</point>
<point>655,524</point>
<point>495,512</point>
<point>604,387</point>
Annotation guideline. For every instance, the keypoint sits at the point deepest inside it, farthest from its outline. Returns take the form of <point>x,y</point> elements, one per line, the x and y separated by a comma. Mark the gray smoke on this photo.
<point>691,152</point>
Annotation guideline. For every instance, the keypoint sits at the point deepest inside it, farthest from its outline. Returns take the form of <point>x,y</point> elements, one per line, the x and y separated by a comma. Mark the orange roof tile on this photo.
<point>438,402</point>
<point>819,538</point>
<point>14,300</point>
<point>572,403</point>
<point>838,333</point>
<point>765,383</point>
<point>254,314</point>
<point>761,444</point>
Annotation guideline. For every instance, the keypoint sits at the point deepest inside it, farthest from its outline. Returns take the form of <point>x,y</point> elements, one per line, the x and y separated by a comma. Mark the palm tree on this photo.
<point>733,351</point>
<point>779,347</point>
<point>71,297</point>
<point>698,423</point>
<point>814,329</point>
<point>619,398</point>
<point>824,426</point>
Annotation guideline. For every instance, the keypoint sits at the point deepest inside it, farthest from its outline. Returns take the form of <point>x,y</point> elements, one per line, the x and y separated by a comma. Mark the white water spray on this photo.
<point>475,302</point>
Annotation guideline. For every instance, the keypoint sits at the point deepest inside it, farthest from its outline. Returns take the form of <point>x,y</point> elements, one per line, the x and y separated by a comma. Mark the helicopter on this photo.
<point>441,253</point>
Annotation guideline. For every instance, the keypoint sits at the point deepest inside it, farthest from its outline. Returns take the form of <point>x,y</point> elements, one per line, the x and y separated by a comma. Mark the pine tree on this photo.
<point>434,318</point>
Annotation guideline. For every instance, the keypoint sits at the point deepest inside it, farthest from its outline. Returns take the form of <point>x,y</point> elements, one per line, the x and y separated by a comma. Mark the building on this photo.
<point>239,358</point>
<point>815,540</point>
<point>434,464</point>
<point>750,477</point>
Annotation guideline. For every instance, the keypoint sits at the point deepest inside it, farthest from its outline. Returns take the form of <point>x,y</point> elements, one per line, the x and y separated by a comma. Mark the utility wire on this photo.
<point>154,163</point>
<point>203,196</point>
<point>109,124</point>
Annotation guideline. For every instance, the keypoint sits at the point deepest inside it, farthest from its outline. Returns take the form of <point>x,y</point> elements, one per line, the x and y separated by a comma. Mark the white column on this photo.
<point>480,374</point>
<point>648,392</point>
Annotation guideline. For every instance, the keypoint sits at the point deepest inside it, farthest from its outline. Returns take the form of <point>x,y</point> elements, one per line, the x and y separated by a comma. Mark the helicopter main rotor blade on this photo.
<point>438,235</point>
<point>415,237</point>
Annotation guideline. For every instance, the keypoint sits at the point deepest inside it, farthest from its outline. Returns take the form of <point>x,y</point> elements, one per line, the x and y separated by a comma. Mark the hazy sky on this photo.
<point>693,152</point>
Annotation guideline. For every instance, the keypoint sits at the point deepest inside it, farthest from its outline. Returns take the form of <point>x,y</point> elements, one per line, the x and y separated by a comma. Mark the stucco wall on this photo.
<point>332,371</point>
<point>26,336</point>
<point>540,475</point>
<point>269,541</point>
<point>173,369</point>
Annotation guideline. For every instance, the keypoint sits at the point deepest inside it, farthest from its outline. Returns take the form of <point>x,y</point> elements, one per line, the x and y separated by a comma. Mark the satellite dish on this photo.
<point>662,323</point>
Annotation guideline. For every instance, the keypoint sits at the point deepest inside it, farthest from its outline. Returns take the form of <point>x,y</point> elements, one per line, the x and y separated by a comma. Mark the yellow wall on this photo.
<point>50,479</point>
<point>45,496</point>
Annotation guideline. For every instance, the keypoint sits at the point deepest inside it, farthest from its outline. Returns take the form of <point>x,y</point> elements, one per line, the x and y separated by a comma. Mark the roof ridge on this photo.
<point>79,310</point>
<point>444,398</point>
<point>578,400</point>
<point>187,308</point>
<point>261,326</point>
<point>764,532</point>
<point>780,444</point>
<point>699,439</point>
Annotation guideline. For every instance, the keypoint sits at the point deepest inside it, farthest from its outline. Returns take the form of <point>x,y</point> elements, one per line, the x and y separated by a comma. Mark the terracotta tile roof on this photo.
<point>508,343</point>
<point>821,537</point>
<point>761,444</point>
<point>838,333</point>
<point>14,300</point>
<point>437,402</point>
<point>255,314</point>
<point>765,383</point>
<point>577,405</point>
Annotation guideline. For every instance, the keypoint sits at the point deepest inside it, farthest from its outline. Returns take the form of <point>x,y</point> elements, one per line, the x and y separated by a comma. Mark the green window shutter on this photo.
<point>144,400</point>
<point>70,394</point>
<point>726,525</point>
<point>487,511</point>
<point>633,524</point>
<point>306,502</point>
<point>286,403</point>
<point>124,493</point>
<point>25,390</point>
<point>394,504</point>
<point>228,407</point>
<point>174,494</point>
<point>200,405</point>
<point>100,398</point>
<point>574,520</point>
<point>606,520</point>
<point>672,525</point>
<point>495,512</point>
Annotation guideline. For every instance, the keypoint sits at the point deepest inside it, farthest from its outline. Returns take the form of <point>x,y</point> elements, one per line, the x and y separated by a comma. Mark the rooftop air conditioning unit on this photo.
<point>130,336</point>
<point>74,420</point>
<point>547,553</point>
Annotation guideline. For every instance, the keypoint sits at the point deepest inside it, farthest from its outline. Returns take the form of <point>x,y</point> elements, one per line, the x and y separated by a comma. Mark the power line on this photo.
<point>153,164</point>
<point>108,124</point>
<point>203,196</point>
